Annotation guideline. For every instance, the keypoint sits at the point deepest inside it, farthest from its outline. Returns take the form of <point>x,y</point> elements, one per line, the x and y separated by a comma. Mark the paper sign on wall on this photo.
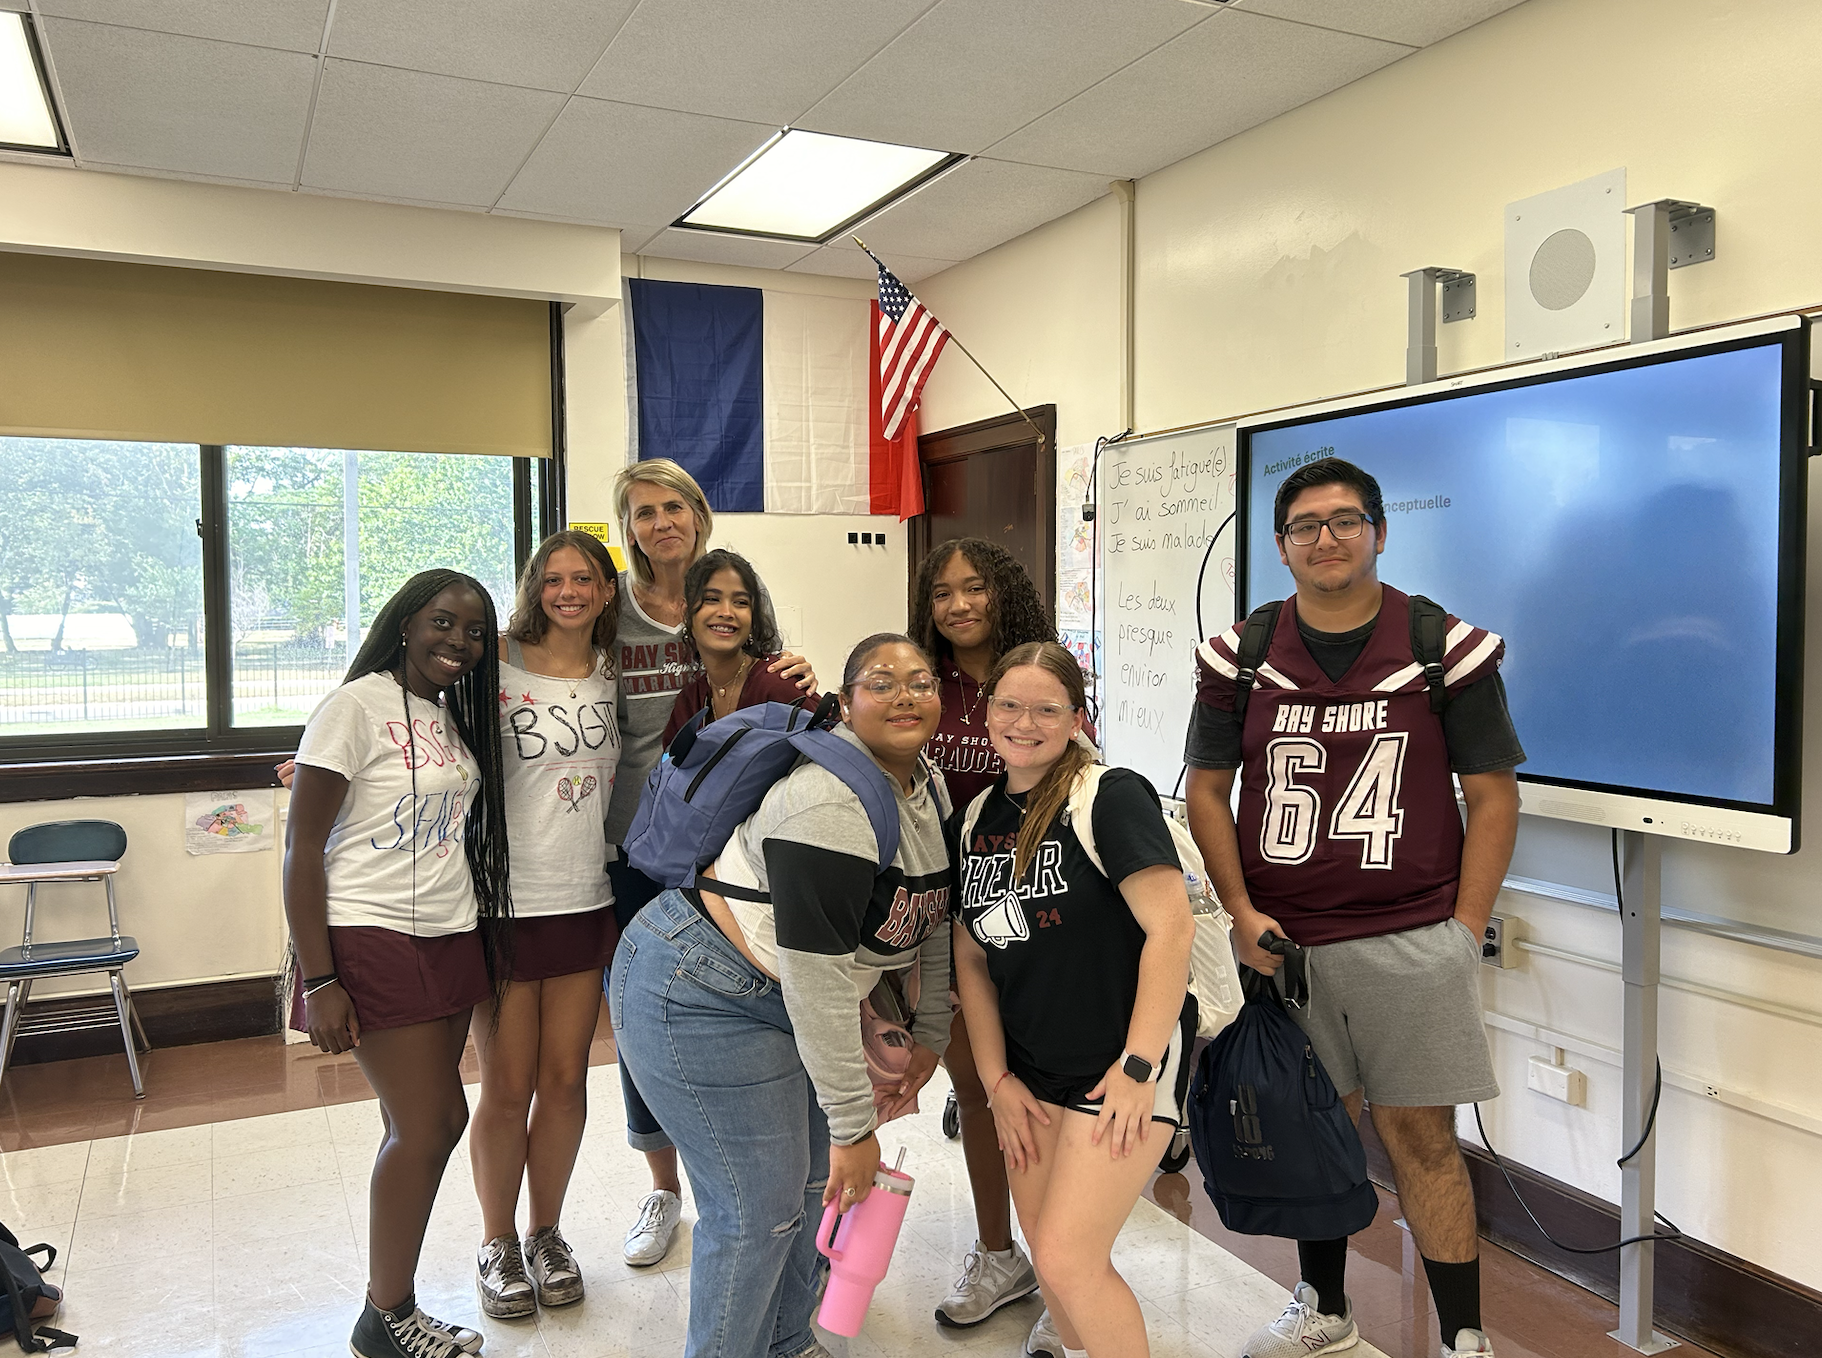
<point>229,822</point>
<point>603,531</point>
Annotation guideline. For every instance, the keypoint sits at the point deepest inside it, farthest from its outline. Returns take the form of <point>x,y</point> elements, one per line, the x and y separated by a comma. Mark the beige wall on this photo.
<point>1268,273</point>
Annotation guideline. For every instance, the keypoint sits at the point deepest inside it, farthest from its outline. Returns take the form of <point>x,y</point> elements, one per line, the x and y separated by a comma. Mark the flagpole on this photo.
<point>1019,409</point>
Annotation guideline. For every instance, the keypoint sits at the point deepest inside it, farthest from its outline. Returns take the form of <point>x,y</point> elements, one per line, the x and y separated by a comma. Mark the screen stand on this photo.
<point>1641,872</point>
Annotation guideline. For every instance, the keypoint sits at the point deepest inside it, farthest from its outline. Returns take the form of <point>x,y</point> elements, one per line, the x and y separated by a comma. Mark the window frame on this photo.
<point>220,754</point>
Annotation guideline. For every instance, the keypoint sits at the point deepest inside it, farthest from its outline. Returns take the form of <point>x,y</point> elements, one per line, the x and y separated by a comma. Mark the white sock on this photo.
<point>997,1254</point>
<point>1074,1353</point>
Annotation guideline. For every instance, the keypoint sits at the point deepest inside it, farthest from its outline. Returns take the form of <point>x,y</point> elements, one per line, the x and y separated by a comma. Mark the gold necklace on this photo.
<point>721,690</point>
<point>978,690</point>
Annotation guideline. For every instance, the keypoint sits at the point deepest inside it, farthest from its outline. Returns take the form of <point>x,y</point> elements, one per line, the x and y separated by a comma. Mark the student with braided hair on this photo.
<point>396,893</point>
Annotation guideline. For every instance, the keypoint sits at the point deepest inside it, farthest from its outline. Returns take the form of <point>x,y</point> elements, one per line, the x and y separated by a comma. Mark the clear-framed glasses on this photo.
<point>1044,716</point>
<point>883,688</point>
<point>1341,527</point>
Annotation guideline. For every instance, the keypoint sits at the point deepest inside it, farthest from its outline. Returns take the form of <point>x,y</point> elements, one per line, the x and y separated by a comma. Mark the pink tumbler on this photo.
<point>862,1248</point>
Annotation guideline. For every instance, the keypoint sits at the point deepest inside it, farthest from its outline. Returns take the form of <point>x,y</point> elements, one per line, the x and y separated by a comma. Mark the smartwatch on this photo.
<point>1138,1069</point>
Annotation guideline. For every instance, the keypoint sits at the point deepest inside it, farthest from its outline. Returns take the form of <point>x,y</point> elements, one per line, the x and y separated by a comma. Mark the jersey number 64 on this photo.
<point>1368,810</point>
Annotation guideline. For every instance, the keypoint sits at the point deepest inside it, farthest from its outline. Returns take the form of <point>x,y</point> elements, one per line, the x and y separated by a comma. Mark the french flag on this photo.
<point>771,400</point>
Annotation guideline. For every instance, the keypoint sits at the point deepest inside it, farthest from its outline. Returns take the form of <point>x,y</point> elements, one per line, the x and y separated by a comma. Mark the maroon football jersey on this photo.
<point>1348,823</point>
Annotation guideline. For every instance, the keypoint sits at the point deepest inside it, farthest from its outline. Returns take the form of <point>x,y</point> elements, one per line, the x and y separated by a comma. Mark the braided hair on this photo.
<point>1016,615</point>
<point>473,703</point>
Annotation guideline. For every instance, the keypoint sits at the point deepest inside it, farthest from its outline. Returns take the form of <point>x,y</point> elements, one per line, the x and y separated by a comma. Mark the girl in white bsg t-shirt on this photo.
<point>560,747</point>
<point>396,878</point>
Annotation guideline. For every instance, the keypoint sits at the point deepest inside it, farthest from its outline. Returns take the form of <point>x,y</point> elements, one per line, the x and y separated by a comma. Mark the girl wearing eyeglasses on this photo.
<point>736,1009</point>
<point>973,602</point>
<point>1074,984</point>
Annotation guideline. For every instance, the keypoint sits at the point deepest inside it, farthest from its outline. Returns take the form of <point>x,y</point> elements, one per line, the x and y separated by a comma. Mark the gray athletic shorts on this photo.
<point>1399,1015</point>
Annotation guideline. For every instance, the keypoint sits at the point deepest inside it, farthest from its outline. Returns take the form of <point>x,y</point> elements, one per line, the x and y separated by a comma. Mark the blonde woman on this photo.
<point>665,521</point>
<point>1074,981</point>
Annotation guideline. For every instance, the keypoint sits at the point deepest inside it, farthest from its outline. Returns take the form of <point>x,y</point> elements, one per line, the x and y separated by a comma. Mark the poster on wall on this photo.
<point>229,822</point>
<point>1076,604</point>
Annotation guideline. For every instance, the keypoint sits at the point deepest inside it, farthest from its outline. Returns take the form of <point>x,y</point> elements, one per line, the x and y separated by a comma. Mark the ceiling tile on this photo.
<point>1214,81</point>
<point>845,261</point>
<point>710,249</point>
<point>405,134</point>
<point>975,207</point>
<point>759,60</point>
<point>208,108</point>
<point>547,45</point>
<point>293,25</point>
<point>1417,22</point>
<point>972,71</point>
<point>619,163</point>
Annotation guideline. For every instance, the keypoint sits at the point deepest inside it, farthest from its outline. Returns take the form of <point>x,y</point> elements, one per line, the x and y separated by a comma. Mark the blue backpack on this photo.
<point>1278,1152</point>
<point>716,773</point>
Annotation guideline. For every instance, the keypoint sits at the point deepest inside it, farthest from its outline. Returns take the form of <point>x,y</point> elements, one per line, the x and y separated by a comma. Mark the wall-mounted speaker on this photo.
<point>1566,267</point>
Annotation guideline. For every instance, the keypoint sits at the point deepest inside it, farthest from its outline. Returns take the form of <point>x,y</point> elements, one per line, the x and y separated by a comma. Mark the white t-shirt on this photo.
<point>560,745</point>
<point>395,857</point>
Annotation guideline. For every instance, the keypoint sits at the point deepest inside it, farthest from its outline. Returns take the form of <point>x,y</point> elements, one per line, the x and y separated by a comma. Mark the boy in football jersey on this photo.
<point>1349,843</point>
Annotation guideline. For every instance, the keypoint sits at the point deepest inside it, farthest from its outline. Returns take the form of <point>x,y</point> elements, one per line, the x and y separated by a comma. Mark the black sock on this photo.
<point>1455,1288</point>
<point>1324,1266</point>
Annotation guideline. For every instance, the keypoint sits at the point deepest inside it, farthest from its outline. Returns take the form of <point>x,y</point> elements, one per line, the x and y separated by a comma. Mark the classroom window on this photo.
<point>184,599</point>
<point>294,583</point>
<point>101,586</point>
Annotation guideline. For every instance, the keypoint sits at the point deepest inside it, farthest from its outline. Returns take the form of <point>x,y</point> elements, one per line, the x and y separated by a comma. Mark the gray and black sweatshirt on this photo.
<point>835,923</point>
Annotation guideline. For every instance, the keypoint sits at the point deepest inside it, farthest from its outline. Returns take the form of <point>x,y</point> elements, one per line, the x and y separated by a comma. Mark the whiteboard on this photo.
<point>1165,507</point>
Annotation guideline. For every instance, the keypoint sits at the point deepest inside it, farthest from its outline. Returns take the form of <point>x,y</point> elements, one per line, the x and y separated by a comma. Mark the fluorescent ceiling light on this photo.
<point>26,120</point>
<point>808,186</point>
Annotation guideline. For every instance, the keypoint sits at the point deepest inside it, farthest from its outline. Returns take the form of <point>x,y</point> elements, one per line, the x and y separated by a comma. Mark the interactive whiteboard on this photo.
<point>1166,508</point>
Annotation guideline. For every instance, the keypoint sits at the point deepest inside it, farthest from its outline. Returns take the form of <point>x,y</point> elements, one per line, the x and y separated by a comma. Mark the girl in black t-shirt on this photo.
<point>1074,986</point>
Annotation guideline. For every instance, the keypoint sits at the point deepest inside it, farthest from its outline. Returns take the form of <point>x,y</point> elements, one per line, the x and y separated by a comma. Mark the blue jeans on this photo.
<point>711,1045</point>
<point>633,891</point>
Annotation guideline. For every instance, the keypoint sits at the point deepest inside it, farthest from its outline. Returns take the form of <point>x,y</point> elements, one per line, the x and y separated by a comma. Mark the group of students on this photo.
<point>455,850</point>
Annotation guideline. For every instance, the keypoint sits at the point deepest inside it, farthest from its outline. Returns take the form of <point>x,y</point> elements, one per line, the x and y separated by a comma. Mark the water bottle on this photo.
<point>861,1248</point>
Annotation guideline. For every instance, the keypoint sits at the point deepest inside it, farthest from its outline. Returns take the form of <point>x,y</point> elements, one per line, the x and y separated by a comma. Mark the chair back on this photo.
<point>68,841</point>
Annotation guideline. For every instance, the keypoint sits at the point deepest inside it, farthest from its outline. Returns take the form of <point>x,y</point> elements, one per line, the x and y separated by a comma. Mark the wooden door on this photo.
<point>990,479</point>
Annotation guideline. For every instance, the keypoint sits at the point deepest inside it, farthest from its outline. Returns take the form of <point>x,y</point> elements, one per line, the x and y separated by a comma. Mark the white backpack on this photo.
<point>1213,979</point>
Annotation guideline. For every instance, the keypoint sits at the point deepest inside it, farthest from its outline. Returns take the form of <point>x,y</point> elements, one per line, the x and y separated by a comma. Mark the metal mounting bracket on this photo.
<point>1670,233</point>
<point>1457,305</point>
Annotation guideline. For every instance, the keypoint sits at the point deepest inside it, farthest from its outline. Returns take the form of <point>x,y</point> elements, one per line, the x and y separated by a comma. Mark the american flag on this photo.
<point>910,338</point>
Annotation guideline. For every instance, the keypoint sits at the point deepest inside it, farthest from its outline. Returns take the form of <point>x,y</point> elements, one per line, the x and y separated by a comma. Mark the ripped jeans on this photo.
<point>708,1039</point>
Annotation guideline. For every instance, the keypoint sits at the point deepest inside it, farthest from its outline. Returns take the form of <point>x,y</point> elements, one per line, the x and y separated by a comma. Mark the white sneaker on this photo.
<point>650,1239</point>
<point>499,1276</point>
<point>1468,1342</point>
<point>1303,1331</point>
<point>988,1282</point>
<point>1044,1341</point>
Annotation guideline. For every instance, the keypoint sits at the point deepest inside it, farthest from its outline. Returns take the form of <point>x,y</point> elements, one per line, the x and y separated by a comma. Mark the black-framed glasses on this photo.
<point>1342,527</point>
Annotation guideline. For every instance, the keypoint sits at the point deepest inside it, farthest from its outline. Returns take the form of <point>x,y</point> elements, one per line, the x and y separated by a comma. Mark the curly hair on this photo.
<point>763,639</point>
<point>1016,613</point>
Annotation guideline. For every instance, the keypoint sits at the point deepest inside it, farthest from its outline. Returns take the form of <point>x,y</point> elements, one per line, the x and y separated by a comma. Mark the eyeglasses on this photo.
<point>883,688</point>
<point>1342,527</point>
<point>1044,716</point>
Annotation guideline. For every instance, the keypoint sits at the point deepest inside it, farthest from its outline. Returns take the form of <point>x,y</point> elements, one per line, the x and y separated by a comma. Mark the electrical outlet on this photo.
<point>1564,1083</point>
<point>1495,943</point>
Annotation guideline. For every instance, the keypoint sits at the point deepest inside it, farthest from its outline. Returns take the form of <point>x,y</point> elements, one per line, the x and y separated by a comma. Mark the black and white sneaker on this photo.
<point>465,1339</point>
<point>553,1268</point>
<point>499,1276</point>
<point>401,1332</point>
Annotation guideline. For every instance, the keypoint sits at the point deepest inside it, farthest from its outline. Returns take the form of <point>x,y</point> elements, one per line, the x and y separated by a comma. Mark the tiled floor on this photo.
<point>226,1214</point>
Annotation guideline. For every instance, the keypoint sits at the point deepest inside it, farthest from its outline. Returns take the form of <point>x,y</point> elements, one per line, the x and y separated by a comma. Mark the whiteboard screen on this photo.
<point>1165,508</point>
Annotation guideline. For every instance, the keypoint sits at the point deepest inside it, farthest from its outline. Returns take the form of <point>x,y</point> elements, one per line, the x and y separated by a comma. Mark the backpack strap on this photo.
<point>1081,812</point>
<point>970,816</point>
<point>866,779</point>
<point>1255,641</point>
<point>1429,644</point>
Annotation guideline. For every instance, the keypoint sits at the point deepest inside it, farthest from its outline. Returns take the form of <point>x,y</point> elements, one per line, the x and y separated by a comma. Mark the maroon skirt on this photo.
<point>396,980</point>
<point>544,946</point>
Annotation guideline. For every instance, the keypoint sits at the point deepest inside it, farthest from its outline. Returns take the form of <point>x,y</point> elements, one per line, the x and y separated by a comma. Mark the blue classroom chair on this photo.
<point>69,851</point>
